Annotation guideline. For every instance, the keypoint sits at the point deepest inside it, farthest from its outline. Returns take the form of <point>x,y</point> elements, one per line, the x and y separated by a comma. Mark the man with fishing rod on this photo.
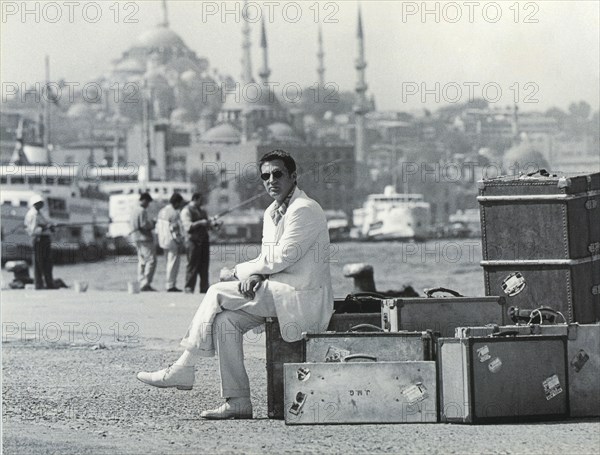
<point>40,229</point>
<point>196,224</point>
<point>290,280</point>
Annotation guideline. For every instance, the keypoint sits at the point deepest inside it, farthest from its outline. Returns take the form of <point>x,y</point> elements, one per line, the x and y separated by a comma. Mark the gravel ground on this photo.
<point>72,398</point>
<point>65,393</point>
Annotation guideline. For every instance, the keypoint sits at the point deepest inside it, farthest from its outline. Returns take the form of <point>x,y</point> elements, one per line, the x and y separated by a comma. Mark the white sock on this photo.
<point>187,359</point>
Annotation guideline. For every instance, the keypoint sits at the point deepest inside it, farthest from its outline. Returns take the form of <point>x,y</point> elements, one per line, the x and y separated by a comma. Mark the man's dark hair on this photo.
<point>146,197</point>
<point>196,196</point>
<point>175,199</point>
<point>282,155</point>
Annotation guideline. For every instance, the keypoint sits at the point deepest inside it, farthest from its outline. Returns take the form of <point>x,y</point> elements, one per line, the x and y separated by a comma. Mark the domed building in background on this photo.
<point>161,67</point>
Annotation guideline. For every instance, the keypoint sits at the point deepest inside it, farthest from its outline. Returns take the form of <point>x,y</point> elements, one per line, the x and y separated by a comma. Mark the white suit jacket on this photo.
<point>295,254</point>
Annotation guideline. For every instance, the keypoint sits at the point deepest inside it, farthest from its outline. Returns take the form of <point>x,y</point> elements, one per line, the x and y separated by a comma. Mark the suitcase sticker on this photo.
<point>494,365</point>
<point>483,354</point>
<point>513,284</point>
<point>552,387</point>
<point>579,360</point>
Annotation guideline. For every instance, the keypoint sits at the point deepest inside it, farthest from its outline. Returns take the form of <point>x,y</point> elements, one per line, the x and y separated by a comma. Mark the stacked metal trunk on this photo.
<point>541,242</point>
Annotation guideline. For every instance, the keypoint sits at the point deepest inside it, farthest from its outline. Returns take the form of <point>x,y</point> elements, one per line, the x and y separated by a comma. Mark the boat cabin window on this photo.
<point>23,203</point>
<point>3,179</point>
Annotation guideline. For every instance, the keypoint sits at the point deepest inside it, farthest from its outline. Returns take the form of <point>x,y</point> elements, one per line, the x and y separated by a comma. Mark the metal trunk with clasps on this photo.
<point>541,241</point>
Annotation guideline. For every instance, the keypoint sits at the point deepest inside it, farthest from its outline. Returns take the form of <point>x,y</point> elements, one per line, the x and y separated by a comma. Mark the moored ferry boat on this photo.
<point>393,216</point>
<point>77,207</point>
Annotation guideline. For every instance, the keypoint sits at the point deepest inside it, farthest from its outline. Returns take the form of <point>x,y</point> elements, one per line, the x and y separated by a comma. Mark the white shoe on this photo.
<point>233,408</point>
<point>178,376</point>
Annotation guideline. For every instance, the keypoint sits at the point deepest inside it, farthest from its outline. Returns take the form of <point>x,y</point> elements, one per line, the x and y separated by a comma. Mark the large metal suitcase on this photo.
<point>583,354</point>
<point>503,379</point>
<point>441,314</point>
<point>541,241</point>
<point>380,392</point>
<point>571,286</point>
<point>388,346</point>
<point>540,216</point>
<point>280,352</point>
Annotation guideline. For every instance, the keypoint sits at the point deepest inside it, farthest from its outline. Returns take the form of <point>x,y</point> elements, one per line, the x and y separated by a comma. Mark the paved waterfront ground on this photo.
<point>69,387</point>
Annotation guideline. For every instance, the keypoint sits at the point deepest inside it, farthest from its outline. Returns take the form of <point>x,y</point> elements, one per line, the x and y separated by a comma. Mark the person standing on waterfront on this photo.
<point>143,236</point>
<point>195,224</point>
<point>40,229</point>
<point>170,239</point>
<point>290,280</point>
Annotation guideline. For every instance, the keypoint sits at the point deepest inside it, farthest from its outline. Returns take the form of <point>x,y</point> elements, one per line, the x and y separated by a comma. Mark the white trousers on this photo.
<point>173,261</point>
<point>222,318</point>
<point>146,252</point>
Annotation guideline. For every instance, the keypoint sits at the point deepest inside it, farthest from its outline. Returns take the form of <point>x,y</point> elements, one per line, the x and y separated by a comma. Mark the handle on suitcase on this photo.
<point>538,312</point>
<point>360,356</point>
<point>429,292</point>
<point>364,327</point>
<point>530,316</point>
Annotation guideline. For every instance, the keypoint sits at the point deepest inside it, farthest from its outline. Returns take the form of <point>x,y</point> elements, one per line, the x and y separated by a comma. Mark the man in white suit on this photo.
<point>290,279</point>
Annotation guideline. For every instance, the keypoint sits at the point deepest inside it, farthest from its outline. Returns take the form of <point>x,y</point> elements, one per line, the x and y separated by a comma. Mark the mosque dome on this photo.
<point>224,133</point>
<point>159,37</point>
<point>282,132</point>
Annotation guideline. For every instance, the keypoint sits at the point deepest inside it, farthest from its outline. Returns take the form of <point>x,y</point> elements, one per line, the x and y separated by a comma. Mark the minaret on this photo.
<point>265,72</point>
<point>361,107</point>
<point>246,59</point>
<point>165,22</point>
<point>514,124</point>
<point>320,55</point>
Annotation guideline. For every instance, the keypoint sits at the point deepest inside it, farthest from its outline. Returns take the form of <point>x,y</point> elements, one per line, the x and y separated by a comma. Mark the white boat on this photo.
<point>393,216</point>
<point>77,206</point>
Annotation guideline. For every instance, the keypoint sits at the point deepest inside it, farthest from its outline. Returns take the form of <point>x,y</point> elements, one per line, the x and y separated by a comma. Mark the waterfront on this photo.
<point>448,263</point>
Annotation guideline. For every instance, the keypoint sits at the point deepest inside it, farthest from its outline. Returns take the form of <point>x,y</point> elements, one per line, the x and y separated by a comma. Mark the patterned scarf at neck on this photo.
<point>280,209</point>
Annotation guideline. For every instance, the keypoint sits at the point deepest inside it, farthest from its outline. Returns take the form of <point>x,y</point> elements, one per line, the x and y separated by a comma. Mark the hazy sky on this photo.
<point>544,51</point>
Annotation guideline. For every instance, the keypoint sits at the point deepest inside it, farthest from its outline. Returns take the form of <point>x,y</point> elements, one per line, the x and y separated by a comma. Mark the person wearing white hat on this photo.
<point>142,233</point>
<point>39,229</point>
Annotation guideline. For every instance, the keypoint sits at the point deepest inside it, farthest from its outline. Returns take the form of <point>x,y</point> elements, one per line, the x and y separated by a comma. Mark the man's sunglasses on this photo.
<point>276,174</point>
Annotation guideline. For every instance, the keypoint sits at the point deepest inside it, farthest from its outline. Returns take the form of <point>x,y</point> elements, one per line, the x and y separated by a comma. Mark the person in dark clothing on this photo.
<point>39,229</point>
<point>195,224</point>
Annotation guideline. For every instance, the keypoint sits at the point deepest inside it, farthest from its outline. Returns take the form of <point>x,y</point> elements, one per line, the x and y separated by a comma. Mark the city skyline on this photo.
<point>471,51</point>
